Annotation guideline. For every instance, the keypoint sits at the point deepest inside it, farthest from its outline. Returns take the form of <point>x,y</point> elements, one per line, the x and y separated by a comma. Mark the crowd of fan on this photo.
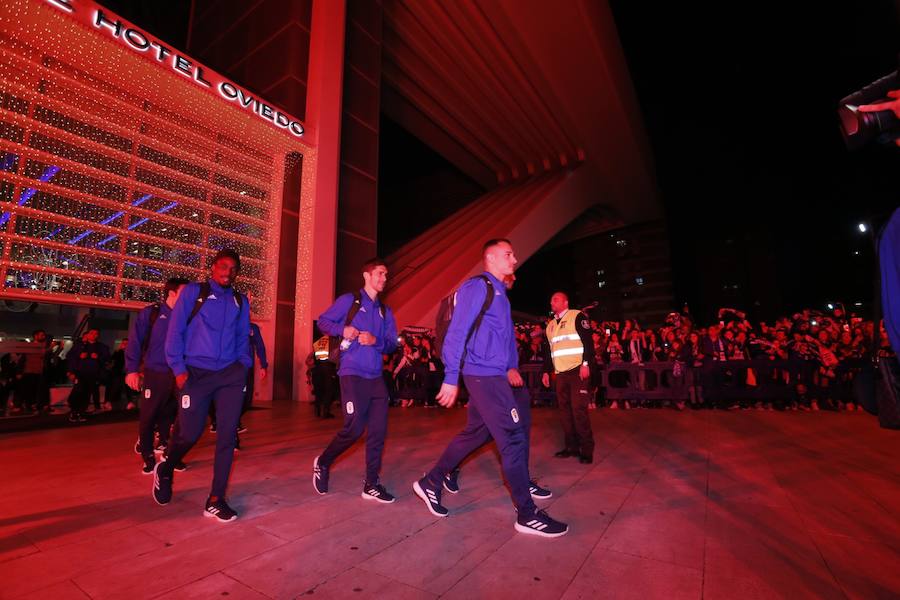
<point>27,377</point>
<point>818,356</point>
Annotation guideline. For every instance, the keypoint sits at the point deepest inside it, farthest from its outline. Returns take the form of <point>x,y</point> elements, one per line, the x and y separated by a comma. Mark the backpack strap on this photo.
<point>354,308</point>
<point>205,290</point>
<point>488,299</point>
<point>154,315</point>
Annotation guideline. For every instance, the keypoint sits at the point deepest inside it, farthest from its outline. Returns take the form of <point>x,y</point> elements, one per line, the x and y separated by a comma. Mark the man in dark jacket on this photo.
<point>86,363</point>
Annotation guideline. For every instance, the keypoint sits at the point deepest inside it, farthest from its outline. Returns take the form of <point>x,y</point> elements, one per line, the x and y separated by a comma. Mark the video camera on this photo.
<point>860,128</point>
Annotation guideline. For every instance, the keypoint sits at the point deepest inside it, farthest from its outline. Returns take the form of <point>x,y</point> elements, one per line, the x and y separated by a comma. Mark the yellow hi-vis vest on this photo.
<point>566,349</point>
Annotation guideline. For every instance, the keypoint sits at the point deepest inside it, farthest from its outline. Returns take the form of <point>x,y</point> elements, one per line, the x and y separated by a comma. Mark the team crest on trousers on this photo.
<point>515,415</point>
<point>185,401</point>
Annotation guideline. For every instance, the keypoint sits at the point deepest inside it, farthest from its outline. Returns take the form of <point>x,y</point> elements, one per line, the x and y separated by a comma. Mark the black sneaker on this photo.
<point>451,481</point>
<point>162,485</point>
<point>431,496</point>
<point>212,427</point>
<point>73,418</point>
<point>180,466</point>
<point>137,446</point>
<point>219,510</point>
<point>320,477</point>
<point>377,492</point>
<point>149,463</point>
<point>160,448</point>
<point>540,523</point>
<point>537,492</point>
<point>241,428</point>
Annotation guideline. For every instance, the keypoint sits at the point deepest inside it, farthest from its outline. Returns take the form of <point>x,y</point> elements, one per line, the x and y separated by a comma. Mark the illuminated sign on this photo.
<point>139,41</point>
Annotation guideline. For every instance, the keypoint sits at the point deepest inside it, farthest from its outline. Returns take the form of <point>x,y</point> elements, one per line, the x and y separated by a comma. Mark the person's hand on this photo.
<point>892,105</point>
<point>180,380</point>
<point>545,380</point>
<point>350,332</point>
<point>262,374</point>
<point>447,396</point>
<point>366,339</point>
<point>515,378</point>
<point>133,380</point>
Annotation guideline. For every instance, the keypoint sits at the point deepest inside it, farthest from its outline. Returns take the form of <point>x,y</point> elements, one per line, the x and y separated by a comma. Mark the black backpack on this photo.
<point>334,341</point>
<point>205,291</point>
<point>445,315</point>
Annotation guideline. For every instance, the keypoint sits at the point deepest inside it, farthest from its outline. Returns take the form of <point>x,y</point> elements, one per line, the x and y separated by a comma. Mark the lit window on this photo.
<point>639,280</point>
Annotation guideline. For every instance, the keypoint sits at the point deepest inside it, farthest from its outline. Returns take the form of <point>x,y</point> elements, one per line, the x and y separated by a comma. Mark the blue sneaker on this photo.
<point>451,481</point>
<point>431,496</point>
<point>162,485</point>
<point>320,477</point>
<point>541,524</point>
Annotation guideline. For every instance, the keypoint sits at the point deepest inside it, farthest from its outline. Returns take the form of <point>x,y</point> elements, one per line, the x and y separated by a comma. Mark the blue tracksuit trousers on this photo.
<point>157,409</point>
<point>364,403</point>
<point>492,411</point>
<point>225,389</point>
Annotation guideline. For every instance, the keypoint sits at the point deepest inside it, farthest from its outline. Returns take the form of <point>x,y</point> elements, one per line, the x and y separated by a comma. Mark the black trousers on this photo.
<point>86,389</point>
<point>158,409</point>
<point>33,391</point>
<point>572,399</point>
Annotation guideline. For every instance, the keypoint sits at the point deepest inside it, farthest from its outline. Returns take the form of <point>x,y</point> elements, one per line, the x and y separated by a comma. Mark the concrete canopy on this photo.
<point>509,91</point>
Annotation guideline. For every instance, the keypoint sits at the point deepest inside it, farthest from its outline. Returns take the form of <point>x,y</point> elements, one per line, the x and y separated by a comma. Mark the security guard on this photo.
<point>570,354</point>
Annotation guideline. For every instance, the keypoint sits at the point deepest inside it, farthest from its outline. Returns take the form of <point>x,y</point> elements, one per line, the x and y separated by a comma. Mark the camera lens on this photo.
<point>858,128</point>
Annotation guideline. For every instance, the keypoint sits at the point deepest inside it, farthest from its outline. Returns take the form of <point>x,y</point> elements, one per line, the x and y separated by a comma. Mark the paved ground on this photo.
<point>676,505</point>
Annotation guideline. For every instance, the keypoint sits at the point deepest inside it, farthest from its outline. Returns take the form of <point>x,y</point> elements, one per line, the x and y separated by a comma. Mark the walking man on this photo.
<point>570,354</point>
<point>146,368</point>
<point>207,350</point>
<point>480,344</point>
<point>367,330</point>
<point>523,403</point>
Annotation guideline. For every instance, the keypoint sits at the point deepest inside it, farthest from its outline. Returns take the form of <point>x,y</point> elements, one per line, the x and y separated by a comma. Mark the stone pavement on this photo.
<point>676,505</point>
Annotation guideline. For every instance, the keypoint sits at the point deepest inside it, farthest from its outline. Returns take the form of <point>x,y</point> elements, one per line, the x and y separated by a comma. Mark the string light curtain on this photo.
<point>106,190</point>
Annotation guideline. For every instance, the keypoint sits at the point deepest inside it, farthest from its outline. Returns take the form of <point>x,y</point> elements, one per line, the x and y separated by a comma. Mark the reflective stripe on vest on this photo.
<point>566,348</point>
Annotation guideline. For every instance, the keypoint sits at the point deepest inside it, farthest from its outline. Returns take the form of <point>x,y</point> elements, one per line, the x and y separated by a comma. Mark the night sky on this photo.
<point>739,103</point>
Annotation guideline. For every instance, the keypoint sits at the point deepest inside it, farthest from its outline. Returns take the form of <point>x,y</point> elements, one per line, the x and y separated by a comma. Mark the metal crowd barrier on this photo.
<point>760,379</point>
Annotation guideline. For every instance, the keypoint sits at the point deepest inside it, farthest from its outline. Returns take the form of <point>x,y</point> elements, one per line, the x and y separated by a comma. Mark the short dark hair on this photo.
<point>227,253</point>
<point>493,242</point>
<point>369,265</point>
<point>172,285</point>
